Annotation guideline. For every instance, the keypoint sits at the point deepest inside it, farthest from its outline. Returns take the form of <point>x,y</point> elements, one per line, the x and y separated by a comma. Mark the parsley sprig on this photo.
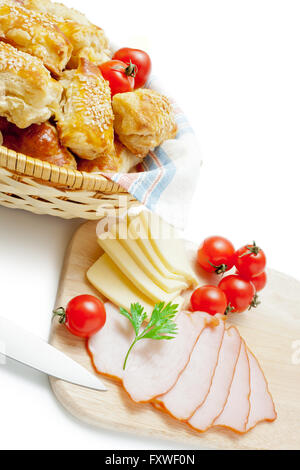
<point>161,325</point>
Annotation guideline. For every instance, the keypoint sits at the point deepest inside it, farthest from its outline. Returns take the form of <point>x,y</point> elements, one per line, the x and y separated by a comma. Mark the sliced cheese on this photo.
<point>126,264</point>
<point>120,232</point>
<point>105,276</point>
<point>137,254</point>
<point>171,251</point>
<point>138,234</point>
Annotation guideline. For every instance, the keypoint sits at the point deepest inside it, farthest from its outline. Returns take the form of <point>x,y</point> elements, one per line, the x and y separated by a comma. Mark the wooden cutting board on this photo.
<point>272,332</point>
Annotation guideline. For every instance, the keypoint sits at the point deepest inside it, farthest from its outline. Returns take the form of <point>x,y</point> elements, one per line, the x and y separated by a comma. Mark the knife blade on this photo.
<point>27,348</point>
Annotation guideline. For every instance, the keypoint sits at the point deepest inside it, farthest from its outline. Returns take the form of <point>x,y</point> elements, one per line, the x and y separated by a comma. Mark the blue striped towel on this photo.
<point>170,175</point>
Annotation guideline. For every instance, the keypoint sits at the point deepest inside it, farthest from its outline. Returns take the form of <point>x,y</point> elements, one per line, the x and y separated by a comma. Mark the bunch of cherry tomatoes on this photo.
<point>235,293</point>
<point>128,70</point>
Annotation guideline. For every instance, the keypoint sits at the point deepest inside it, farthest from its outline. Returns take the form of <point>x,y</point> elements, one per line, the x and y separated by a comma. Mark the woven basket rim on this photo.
<point>60,177</point>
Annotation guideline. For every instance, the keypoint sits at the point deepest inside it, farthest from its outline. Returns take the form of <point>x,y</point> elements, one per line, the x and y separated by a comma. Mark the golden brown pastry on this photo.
<point>28,93</point>
<point>35,34</point>
<point>37,141</point>
<point>88,40</point>
<point>122,161</point>
<point>85,123</point>
<point>144,119</point>
<point>56,9</point>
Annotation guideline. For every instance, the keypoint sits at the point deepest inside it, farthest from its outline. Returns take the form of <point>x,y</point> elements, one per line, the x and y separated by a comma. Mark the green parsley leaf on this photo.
<point>161,325</point>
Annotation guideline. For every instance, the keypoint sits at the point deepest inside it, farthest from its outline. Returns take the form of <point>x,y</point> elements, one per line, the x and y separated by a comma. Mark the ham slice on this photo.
<point>154,366</point>
<point>261,403</point>
<point>235,414</point>
<point>216,400</point>
<point>195,381</point>
<point>109,346</point>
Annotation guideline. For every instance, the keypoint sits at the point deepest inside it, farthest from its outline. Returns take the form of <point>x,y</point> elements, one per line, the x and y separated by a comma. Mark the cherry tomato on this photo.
<point>216,254</point>
<point>239,292</point>
<point>260,281</point>
<point>84,316</point>
<point>209,299</point>
<point>119,75</point>
<point>139,58</point>
<point>250,261</point>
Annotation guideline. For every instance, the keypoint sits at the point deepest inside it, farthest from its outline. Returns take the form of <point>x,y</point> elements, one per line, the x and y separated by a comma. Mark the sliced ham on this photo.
<point>261,403</point>
<point>205,376</point>
<point>235,414</point>
<point>195,381</point>
<point>154,366</point>
<point>215,402</point>
<point>110,345</point>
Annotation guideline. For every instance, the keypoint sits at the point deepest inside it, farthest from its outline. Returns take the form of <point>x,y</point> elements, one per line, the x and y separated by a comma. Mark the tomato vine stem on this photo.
<point>61,313</point>
<point>253,250</point>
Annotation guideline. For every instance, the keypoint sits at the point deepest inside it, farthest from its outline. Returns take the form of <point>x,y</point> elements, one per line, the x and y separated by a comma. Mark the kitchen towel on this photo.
<point>171,172</point>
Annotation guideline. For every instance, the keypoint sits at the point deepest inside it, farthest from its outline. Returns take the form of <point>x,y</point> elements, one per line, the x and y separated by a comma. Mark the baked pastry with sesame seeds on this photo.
<point>85,123</point>
<point>122,161</point>
<point>28,93</point>
<point>144,119</point>
<point>35,34</point>
<point>37,141</point>
<point>88,41</point>
<point>56,9</point>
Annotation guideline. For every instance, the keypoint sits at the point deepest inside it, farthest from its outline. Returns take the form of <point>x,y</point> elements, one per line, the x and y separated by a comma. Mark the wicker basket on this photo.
<point>39,187</point>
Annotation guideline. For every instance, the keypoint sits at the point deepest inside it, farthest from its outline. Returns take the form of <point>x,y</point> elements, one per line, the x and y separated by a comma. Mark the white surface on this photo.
<point>234,68</point>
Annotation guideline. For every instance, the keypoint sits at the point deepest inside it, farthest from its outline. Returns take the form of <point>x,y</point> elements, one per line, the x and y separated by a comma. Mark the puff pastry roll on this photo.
<point>60,11</point>
<point>85,123</point>
<point>37,141</point>
<point>28,93</point>
<point>35,34</point>
<point>144,119</point>
<point>122,161</point>
<point>88,41</point>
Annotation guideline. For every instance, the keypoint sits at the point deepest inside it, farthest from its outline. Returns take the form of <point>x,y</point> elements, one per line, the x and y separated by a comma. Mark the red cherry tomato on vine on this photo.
<point>216,254</point>
<point>139,58</point>
<point>119,75</point>
<point>250,261</point>
<point>84,316</point>
<point>209,299</point>
<point>260,281</point>
<point>239,292</point>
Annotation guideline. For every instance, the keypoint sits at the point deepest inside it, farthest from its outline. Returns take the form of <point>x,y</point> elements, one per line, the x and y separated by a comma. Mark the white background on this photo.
<point>234,68</point>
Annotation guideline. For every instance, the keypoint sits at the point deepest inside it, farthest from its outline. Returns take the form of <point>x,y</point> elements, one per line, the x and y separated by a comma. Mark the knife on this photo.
<point>27,348</point>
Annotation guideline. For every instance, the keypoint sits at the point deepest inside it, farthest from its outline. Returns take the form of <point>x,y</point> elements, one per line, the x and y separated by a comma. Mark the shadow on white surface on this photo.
<point>32,250</point>
<point>15,370</point>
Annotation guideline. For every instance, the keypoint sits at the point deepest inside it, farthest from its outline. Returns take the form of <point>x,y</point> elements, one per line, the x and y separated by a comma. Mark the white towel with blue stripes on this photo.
<point>170,173</point>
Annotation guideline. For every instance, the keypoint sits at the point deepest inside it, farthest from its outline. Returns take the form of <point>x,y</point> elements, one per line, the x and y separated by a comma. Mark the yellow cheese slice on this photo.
<point>105,276</point>
<point>126,264</point>
<point>133,248</point>
<point>137,254</point>
<point>137,231</point>
<point>171,251</point>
